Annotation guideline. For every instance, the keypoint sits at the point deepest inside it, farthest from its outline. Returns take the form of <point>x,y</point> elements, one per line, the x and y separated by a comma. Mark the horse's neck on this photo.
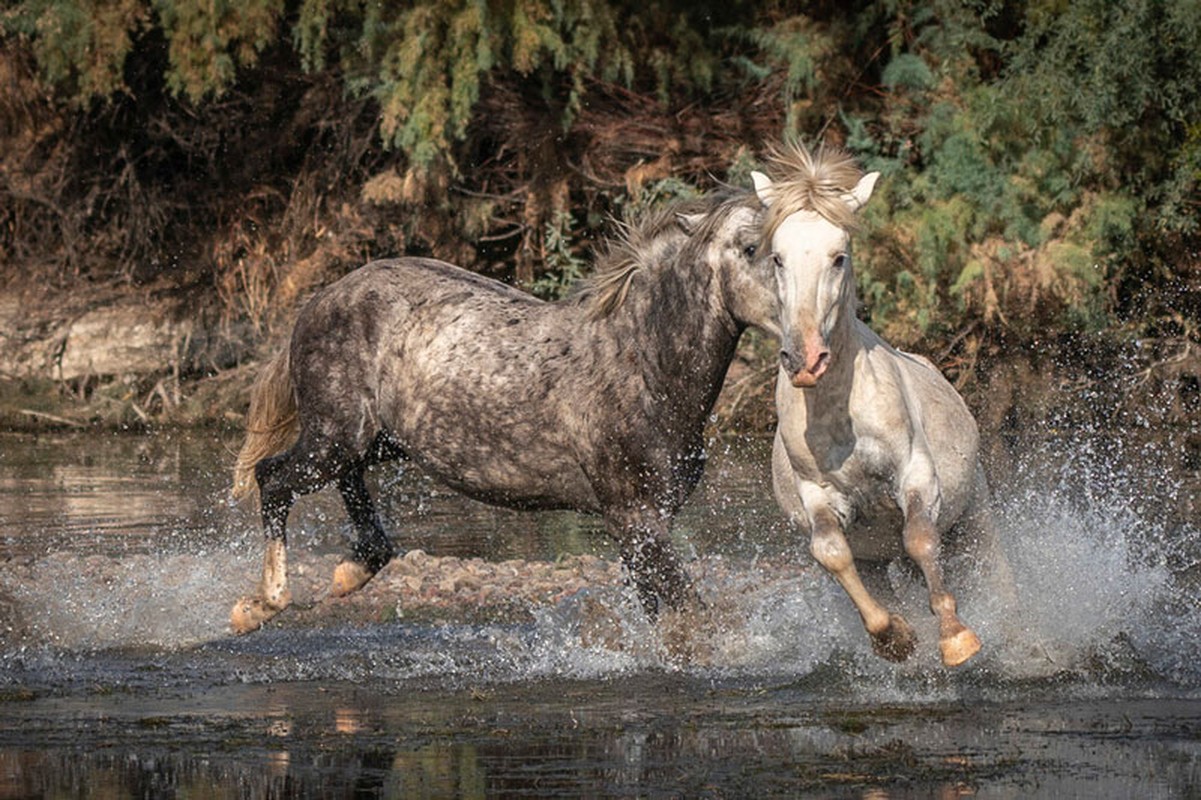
<point>830,401</point>
<point>685,336</point>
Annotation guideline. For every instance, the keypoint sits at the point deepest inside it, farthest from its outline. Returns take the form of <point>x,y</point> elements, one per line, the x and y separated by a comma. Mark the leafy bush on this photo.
<point>1034,152</point>
<point>1041,158</point>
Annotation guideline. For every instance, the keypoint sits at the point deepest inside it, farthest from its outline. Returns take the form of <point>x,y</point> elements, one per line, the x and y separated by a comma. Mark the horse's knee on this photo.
<point>656,572</point>
<point>831,549</point>
<point>922,546</point>
<point>920,537</point>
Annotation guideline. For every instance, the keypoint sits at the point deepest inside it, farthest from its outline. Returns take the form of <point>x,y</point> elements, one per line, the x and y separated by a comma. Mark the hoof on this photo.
<point>249,613</point>
<point>896,642</point>
<point>349,576</point>
<point>686,635</point>
<point>959,648</point>
<point>600,625</point>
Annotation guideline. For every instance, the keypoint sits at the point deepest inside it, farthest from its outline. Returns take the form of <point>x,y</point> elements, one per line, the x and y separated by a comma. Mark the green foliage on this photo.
<point>794,47</point>
<point>655,194</point>
<point>1128,72</point>
<point>907,71</point>
<point>563,265</point>
<point>1041,158</point>
<point>426,63</point>
<point>209,41</point>
<point>81,44</point>
<point>1026,169</point>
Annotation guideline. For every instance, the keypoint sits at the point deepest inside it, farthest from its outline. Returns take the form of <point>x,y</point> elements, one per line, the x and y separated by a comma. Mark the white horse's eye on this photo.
<point>777,261</point>
<point>841,260</point>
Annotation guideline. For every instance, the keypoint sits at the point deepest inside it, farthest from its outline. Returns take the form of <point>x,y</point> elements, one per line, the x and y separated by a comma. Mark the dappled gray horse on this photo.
<point>871,442</point>
<point>595,403</point>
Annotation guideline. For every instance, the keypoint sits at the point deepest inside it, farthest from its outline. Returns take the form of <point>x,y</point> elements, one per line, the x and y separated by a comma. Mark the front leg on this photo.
<point>658,575</point>
<point>956,641</point>
<point>652,563</point>
<point>808,508</point>
<point>892,637</point>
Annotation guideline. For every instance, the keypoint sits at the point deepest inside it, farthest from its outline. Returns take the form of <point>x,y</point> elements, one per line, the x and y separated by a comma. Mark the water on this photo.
<point>120,558</point>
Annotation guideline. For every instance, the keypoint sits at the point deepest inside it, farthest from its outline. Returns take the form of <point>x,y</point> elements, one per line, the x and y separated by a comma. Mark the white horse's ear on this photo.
<point>763,188</point>
<point>689,222</point>
<point>862,192</point>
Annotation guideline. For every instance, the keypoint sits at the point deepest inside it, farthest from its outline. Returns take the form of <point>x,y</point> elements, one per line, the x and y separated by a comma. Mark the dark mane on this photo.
<point>632,249</point>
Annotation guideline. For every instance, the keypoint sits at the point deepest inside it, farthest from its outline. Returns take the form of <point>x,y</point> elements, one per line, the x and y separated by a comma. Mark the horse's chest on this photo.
<point>858,479</point>
<point>865,485</point>
<point>851,464</point>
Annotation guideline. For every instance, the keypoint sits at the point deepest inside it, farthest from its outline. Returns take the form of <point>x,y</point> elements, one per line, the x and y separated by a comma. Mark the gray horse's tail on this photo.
<point>271,423</point>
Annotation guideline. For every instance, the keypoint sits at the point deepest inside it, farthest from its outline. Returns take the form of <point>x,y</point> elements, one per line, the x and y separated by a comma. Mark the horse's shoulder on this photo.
<point>903,392</point>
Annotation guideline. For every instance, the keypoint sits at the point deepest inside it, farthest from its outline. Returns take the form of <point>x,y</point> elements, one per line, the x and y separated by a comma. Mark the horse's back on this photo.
<point>403,297</point>
<point>480,383</point>
<point>383,291</point>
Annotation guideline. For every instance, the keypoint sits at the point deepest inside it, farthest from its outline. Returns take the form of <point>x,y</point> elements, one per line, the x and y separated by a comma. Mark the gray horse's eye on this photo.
<point>749,251</point>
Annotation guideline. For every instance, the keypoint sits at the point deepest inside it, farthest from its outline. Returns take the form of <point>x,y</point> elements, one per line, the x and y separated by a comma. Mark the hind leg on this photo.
<point>372,548</point>
<point>305,468</point>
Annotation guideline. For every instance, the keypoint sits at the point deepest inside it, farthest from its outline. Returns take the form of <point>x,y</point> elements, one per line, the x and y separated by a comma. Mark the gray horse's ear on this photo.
<point>689,222</point>
<point>858,197</point>
<point>763,188</point>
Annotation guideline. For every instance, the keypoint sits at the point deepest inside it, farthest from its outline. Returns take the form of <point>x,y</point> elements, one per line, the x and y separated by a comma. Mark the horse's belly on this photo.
<point>875,534</point>
<point>510,473</point>
<point>543,493</point>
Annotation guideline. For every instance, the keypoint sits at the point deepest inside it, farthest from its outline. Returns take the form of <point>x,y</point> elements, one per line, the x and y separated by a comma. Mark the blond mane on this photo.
<point>817,182</point>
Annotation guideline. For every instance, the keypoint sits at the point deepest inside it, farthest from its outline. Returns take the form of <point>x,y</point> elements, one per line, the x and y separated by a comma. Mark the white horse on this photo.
<point>870,440</point>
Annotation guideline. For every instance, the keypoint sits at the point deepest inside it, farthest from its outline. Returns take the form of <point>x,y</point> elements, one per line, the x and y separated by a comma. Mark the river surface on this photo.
<point>120,558</point>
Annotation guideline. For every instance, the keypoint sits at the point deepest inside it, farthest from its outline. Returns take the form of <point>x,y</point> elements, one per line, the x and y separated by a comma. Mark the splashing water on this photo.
<point>1102,597</point>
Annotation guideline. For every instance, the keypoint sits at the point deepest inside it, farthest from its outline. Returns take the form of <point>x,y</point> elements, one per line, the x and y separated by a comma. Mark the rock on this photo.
<point>123,340</point>
<point>111,336</point>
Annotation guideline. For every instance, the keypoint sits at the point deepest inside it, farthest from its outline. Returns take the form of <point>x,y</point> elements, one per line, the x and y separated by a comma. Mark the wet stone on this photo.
<point>420,585</point>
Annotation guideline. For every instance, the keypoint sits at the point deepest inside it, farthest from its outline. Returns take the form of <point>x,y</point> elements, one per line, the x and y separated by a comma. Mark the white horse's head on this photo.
<point>811,252</point>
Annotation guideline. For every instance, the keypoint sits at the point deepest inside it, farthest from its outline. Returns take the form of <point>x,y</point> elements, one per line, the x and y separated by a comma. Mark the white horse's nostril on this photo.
<point>789,362</point>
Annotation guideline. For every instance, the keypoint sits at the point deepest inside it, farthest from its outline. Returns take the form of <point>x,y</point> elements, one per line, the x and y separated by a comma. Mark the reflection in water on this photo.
<point>657,735</point>
<point>120,558</point>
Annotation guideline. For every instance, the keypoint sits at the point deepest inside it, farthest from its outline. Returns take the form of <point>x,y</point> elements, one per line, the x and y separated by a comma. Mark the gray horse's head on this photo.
<point>728,239</point>
<point>714,240</point>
